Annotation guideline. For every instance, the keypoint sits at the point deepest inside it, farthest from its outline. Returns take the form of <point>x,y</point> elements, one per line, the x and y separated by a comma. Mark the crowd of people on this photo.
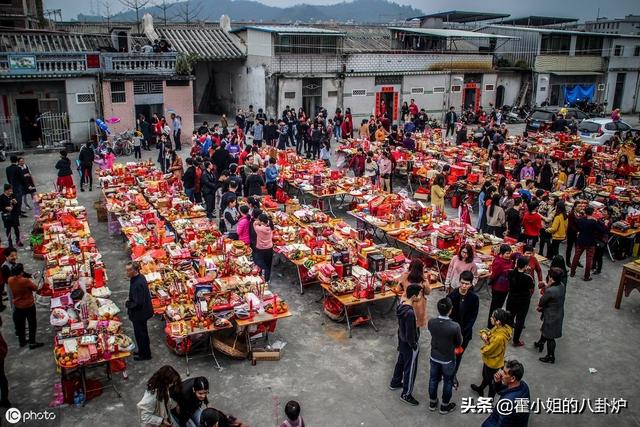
<point>170,401</point>
<point>225,163</point>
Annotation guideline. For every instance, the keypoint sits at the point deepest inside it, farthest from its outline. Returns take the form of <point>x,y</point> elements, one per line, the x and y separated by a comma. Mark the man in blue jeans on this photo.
<point>445,337</point>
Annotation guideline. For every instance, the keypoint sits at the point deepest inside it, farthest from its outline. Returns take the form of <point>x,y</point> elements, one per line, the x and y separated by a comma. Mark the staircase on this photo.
<point>525,85</point>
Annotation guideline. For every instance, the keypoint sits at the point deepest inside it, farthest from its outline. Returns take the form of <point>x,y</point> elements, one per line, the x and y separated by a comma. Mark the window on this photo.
<point>332,93</point>
<point>388,80</point>
<point>289,95</point>
<point>417,90</point>
<point>456,88</point>
<point>610,126</point>
<point>489,88</point>
<point>623,126</point>
<point>177,82</point>
<point>307,43</point>
<point>555,44</point>
<point>636,51</point>
<point>588,127</point>
<point>85,98</point>
<point>146,87</point>
<point>439,89</point>
<point>118,94</point>
<point>618,50</point>
<point>589,45</point>
<point>359,92</point>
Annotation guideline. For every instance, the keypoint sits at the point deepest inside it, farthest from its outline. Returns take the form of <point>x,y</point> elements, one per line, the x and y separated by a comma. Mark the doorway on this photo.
<point>500,96</point>
<point>28,111</point>
<point>387,101</point>
<point>619,90</point>
<point>311,95</point>
<point>148,109</point>
<point>123,41</point>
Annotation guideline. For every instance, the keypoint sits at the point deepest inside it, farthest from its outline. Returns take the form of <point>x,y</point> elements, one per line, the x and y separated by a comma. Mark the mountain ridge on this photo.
<point>358,11</point>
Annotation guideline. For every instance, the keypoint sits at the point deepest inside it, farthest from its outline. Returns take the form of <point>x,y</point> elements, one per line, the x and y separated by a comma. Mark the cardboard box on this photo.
<point>265,355</point>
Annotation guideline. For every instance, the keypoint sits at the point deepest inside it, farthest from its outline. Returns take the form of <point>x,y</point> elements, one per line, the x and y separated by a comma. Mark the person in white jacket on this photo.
<point>155,407</point>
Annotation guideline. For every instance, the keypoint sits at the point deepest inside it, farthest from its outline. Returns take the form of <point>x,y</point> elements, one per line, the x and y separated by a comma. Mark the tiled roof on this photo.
<point>209,42</point>
<point>48,41</point>
<point>286,29</point>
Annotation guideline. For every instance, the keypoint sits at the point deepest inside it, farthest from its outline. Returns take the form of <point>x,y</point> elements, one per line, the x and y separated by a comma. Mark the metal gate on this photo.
<point>10,133</point>
<point>55,129</point>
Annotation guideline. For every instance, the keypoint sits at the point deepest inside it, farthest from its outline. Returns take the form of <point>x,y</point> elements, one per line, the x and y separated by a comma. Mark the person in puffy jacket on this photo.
<point>494,349</point>
<point>244,224</point>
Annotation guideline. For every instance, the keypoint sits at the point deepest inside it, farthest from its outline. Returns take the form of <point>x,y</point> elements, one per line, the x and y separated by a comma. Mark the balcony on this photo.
<point>139,63</point>
<point>624,63</point>
<point>18,65</point>
<point>548,63</point>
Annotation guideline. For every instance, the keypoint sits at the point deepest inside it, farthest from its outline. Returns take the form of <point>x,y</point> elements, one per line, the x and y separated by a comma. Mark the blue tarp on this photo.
<point>578,93</point>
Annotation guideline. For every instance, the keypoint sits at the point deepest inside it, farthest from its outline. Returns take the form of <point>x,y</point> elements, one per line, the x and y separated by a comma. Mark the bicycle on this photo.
<point>123,144</point>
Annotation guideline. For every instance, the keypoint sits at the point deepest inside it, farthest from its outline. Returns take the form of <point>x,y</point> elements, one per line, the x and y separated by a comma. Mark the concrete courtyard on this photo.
<point>341,381</point>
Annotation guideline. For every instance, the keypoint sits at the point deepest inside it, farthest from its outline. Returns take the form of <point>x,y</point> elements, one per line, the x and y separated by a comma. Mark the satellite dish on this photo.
<point>225,23</point>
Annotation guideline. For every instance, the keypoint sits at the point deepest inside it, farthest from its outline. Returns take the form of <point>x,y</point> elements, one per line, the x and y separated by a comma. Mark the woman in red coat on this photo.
<point>531,225</point>
<point>499,280</point>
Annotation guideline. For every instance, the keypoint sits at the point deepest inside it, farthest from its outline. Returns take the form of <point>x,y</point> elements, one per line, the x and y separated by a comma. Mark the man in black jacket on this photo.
<point>404,374</point>
<point>450,120</point>
<point>221,158</point>
<point>15,177</point>
<point>445,337</point>
<point>139,309</point>
<point>189,179</point>
<point>86,158</point>
<point>208,188</point>
<point>464,311</point>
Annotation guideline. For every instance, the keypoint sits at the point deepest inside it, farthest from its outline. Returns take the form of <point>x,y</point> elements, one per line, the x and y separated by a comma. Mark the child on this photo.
<point>109,158</point>
<point>243,225</point>
<point>137,145</point>
<point>294,419</point>
<point>325,154</point>
<point>464,211</point>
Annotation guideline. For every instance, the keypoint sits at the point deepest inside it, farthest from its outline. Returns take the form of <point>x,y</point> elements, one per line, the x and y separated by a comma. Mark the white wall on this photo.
<point>258,43</point>
<point>431,102</point>
<point>361,106</point>
<point>630,93</point>
<point>330,103</point>
<point>289,85</point>
<point>80,114</point>
<point>511,84</point>
<point>488,96</point>
<point>541,83</point>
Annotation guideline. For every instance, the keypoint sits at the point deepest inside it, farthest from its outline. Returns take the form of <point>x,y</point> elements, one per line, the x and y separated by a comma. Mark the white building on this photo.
<point>630,24</point>
<point>560,59</point>
<point>361,67</point>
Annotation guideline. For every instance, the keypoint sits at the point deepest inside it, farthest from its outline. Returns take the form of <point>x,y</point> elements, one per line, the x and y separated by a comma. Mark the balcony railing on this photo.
<point>44,63</point>
<point>546,63</point>
<point>136,63</point>
<point>16,64</point>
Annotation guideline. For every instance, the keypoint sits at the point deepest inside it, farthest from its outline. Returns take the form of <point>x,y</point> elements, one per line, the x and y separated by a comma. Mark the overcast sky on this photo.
<point>588,9</point>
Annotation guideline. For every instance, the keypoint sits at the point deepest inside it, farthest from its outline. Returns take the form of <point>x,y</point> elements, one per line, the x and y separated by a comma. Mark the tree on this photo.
<point>164,6</point>
<point>135,5</point>
<point>107,13</point>
<point>189,11</point>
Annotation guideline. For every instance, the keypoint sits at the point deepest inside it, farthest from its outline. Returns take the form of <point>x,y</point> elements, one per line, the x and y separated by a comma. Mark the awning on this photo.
<point>576,73</point>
